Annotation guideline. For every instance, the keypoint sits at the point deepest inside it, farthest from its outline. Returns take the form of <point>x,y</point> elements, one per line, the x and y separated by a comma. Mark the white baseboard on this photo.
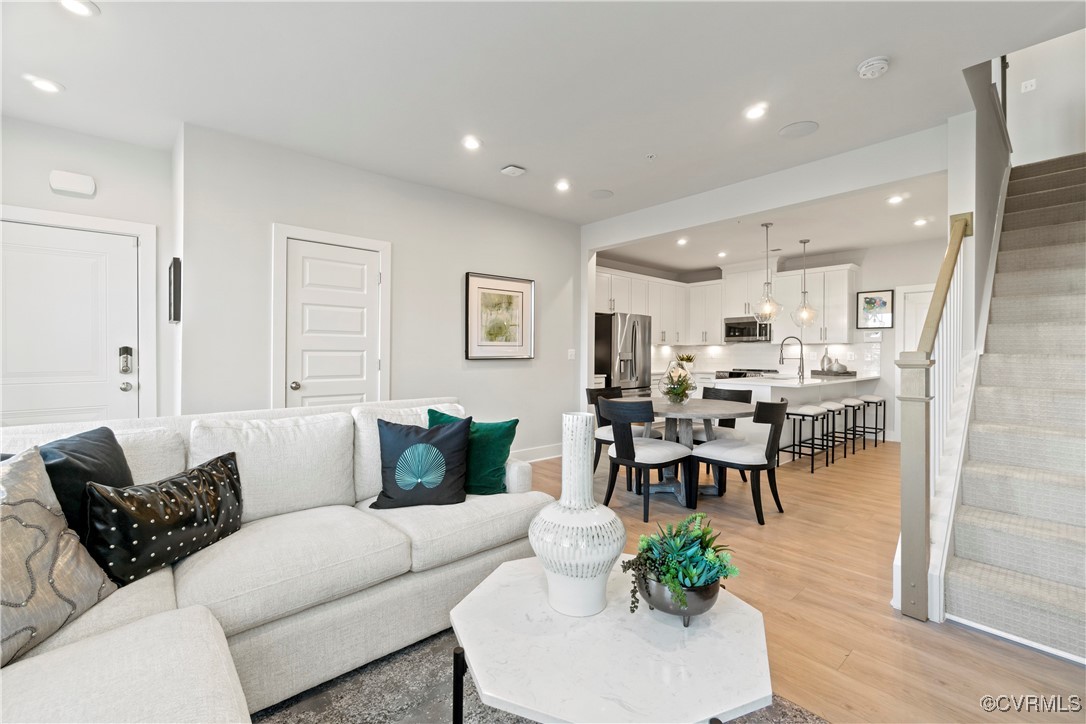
<point>1016,639</point>
<point>532,454</point>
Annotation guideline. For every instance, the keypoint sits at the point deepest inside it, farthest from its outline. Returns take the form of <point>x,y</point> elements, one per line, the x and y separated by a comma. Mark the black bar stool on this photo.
<point>853,409</point>
<point>817,442</point>
<point>833,409</point>
<point>876,403</point>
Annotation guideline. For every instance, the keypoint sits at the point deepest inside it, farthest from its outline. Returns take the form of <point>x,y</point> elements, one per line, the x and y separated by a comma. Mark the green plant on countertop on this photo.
<point>685,357</point>
<point>680,556</point>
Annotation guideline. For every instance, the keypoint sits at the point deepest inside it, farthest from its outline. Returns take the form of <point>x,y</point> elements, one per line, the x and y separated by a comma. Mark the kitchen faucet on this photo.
<point>800,358</point>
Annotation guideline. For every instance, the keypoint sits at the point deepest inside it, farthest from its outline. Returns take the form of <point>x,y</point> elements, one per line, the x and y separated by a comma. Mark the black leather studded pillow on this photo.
<point>421,466</point>
<point>135,531</point>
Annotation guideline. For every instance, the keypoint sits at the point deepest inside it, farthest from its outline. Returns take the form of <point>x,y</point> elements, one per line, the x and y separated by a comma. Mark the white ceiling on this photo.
<point>576,90</point>
<point>857,220</point>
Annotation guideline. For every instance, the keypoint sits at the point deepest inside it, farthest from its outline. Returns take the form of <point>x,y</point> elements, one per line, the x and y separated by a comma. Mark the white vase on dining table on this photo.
<point>576,539</point>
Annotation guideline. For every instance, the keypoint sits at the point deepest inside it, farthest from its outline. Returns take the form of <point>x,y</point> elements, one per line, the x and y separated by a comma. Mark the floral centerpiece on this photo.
<point>678,380</point>
<point>679,569</point>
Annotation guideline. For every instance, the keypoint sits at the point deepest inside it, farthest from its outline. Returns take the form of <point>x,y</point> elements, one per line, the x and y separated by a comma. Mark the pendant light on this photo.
<point>766,308</point>
<point>804,315</point>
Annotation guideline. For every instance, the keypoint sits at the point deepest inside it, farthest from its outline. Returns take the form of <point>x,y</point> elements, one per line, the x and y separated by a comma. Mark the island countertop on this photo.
<point>792,381</point>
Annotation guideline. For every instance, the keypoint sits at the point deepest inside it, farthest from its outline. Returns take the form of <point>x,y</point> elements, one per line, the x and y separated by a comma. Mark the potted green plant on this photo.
<point>678,570</point>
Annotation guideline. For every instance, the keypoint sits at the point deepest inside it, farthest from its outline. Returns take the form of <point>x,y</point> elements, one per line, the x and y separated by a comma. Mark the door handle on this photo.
<point>295,386</point>
<point>126,387</point>
<point>124,355</point>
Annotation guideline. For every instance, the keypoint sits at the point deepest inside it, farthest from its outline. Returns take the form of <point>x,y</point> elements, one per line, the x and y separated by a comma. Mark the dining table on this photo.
<point>679,419</point>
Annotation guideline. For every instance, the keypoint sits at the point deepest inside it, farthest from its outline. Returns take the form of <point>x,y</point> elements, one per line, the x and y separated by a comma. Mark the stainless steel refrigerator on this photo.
<point>624,352</point>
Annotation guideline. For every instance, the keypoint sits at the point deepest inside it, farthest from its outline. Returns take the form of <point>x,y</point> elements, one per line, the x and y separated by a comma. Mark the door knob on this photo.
<point>295,386</point>
<point>126,387</point>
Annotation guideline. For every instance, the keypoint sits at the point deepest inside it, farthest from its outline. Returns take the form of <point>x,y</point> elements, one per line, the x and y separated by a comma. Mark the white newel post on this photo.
<point>915,400</point>
<point>577,540</point>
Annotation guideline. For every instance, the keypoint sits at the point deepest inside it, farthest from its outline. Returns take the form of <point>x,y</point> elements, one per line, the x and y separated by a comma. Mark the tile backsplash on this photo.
<point>864,358</point>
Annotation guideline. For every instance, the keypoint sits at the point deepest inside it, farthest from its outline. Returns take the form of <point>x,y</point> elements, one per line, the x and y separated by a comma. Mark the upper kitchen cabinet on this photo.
<point>704,322</point>
<point>621,293</point>
<point>831,290</point>
<point>667,307</point>
<point>741,290</point>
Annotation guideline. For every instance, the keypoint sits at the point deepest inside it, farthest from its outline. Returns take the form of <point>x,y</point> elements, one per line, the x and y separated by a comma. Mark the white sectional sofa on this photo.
<point>313,585</point>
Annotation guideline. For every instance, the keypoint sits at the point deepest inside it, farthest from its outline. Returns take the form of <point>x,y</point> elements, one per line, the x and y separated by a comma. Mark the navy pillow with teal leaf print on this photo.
<point>421,466</point>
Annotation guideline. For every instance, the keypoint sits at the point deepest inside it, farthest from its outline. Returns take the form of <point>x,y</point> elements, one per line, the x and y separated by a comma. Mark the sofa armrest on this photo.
<point>518,476</point>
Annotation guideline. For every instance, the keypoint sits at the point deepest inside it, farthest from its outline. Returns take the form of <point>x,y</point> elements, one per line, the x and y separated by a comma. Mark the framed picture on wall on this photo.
<point>500,317</point>
<point>875,310</point>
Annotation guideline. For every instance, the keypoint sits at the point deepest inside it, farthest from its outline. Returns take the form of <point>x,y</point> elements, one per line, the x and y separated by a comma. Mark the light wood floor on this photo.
<point>821,575</point>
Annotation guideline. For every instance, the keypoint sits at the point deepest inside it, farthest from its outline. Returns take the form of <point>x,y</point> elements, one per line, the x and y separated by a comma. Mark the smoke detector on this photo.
<point>873,67</point>
<point>513,171</point>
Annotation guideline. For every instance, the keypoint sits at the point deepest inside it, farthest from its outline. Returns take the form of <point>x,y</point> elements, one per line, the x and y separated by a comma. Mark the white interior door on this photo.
<point>69,305</point>
<point>332,318</point>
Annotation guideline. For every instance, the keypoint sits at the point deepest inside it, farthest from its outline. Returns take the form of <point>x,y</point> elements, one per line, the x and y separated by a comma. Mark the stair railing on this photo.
<point>928,377</point>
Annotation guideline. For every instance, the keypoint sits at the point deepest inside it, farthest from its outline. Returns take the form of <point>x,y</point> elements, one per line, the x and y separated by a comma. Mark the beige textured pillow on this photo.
<point>47,578</point>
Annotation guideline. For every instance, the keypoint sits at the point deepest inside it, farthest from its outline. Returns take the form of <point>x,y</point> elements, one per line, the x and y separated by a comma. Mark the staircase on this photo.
<point>1019,555</point>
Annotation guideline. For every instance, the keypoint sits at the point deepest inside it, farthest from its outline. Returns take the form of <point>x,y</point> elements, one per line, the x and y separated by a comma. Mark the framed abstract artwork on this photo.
<point>875,310</point>
<point>500,317</point>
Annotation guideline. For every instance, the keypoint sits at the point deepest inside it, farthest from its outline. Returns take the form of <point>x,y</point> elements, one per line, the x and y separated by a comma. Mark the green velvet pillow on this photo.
<point>488,449</point>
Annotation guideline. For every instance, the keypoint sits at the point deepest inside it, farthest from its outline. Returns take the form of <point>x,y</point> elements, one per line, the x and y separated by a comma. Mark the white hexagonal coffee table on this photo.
<point>528,659</point>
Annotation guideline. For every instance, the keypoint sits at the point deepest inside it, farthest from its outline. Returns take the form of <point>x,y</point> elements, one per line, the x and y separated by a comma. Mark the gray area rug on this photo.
<point>415,685</point>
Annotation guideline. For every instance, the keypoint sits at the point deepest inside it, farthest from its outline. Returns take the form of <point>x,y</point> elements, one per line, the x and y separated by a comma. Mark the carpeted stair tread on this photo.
<point>1050,448</point>
<point>1059,179</point>
<point>1042,338</point>
<point>1030,607</point>
<point>1037,282</point>
<point>1023,310</point>
<point>1053,551</point>
<point>1042,494</point>
<point>1030,405</point>
<point>1043,236</point>
<point>1048,166</point>
<point>1046,198</point>
<point>1063,256</point>
<point>1033,370</point>
<point>1047,216</point>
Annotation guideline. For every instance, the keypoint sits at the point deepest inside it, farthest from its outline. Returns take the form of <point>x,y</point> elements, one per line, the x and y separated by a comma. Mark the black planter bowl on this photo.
<point>698,600</point>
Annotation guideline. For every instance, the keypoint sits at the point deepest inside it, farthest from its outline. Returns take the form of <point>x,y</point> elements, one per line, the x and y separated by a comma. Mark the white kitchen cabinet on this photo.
<point>613,292</point>
<point>667,307</point>
<point>703,324</point>
<point>741,290</point>
<point>603,292</point>
<point>639,295</point>
<point>831,290</point>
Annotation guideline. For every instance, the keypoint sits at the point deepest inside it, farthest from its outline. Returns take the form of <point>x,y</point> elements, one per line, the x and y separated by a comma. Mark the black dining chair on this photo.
<point>603,435</point>
<point>724,454</point>
<point>725,429</point>
<point>642,454</point>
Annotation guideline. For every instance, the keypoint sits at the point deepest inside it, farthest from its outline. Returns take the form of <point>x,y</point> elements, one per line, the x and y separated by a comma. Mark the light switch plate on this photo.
<point>571,353</point>
<point>1028,85</point>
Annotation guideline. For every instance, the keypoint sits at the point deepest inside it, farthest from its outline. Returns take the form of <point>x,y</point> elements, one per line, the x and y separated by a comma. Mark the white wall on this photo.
<point>134,184</point>
<point>1051,120</point>
<point>234,189</point>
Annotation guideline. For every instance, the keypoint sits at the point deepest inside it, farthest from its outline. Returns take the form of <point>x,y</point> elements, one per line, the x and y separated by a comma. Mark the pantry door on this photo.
<point>334,310</point>
<point>70,307</point>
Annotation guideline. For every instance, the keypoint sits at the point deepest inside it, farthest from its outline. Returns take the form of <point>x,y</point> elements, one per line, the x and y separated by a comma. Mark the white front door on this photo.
<point>69,306</point>
<point>333,321</point>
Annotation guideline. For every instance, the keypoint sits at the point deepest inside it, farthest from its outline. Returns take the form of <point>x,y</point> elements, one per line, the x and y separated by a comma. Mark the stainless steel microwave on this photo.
<point>746,329</point>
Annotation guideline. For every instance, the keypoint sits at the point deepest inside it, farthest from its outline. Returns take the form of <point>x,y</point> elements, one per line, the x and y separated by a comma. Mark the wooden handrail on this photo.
<point>942,288</point>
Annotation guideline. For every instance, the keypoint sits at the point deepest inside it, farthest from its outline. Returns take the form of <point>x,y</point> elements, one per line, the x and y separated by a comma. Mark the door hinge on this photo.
<point>378,364</point>
<point>380,277</point>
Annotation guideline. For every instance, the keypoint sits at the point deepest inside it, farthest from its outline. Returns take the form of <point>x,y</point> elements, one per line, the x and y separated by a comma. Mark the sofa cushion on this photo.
<point>488,450</point>
<point>286,465</point>
<point>147,596</point>
<point>442,534</point>
<point>133,532</point>
<point>367,440</point>
<point>48,578</point>
<point>170,667</point>
<point>280,565</point>
<point>421,466</point>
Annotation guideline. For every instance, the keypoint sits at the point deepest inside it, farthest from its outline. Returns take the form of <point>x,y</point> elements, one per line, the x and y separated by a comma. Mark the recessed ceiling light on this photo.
<point>722,254</point>
<point>920,222</point>
<point>43,84</point>
<point>756,111</point>
<point>895,199</point>
<point>471,143</point>
<point>82,8</point>
<point>682,241</point>
<point>799,129</point>
<point>562,184</point>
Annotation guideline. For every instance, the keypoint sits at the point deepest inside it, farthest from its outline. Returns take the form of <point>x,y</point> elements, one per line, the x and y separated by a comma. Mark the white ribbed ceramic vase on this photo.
<point>576,539</point>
